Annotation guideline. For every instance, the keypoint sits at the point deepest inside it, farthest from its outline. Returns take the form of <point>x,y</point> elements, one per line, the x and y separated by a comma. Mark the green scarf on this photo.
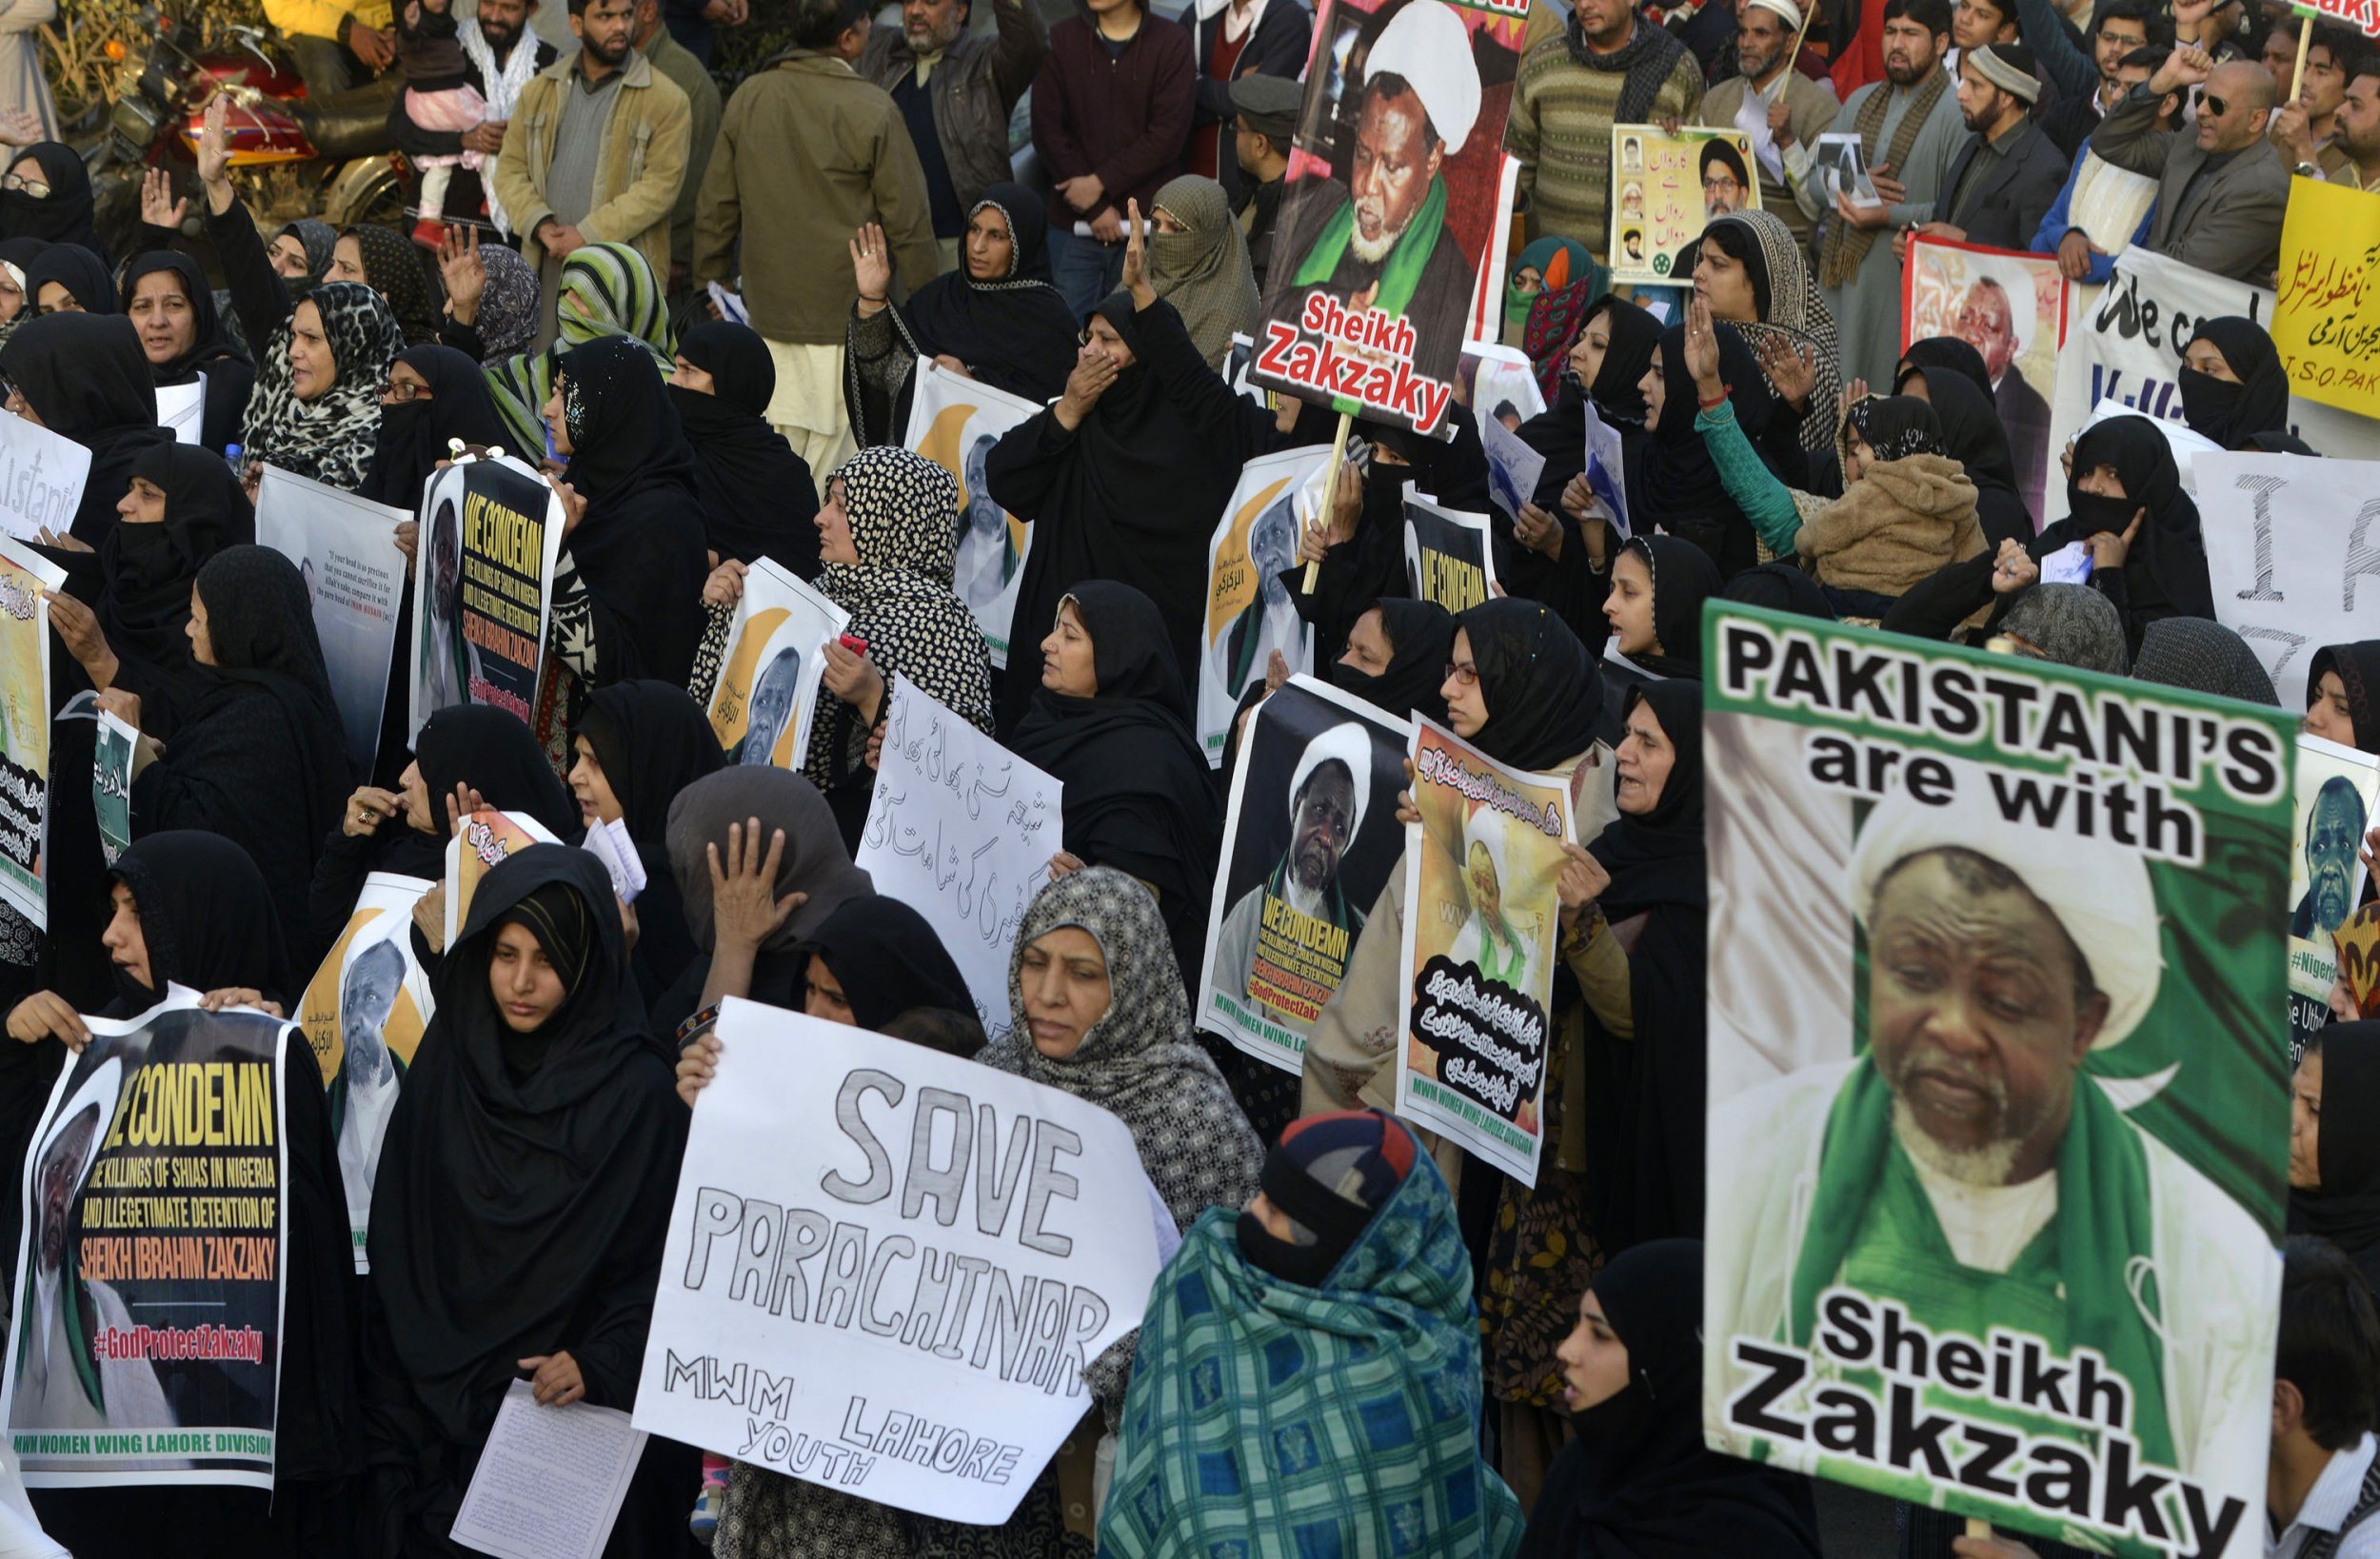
<point>2103,1226</point>
<point>1269,1418</point>
<point>1402,273</point>
<point>1511,969</point>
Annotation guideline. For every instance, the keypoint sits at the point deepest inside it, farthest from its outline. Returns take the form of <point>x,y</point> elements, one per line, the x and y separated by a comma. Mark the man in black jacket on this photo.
<point>1230,39</point>
<point>2004,179</point>
<point>956,90</point>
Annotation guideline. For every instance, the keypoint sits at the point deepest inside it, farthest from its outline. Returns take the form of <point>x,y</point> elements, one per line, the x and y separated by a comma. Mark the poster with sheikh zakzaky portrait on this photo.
<point>1392,207</point>
<point>1998,1083</point>
<point>145,1343</point>
<point>2338,789</point>
<point>26,577</point>
<point>1249,611</point>
<point>767,689</point>
<point>364,1013</point>
<point>1308,844</point>
<point>483,586</point>
<point>2011,308</point>
<point>954,421</point>
<point>1481,927</point>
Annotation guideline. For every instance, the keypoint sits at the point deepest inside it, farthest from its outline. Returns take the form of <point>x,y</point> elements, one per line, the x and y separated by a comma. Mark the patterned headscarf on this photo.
<point>1894,427</point>
<point>1203,271</point>
<point>1796,317</point>
<point>607,289</point>
<point>1140,1060</point>
<point>329,438</point>
<point>903,511</point>
<point>392,268</point>
<point>508,304</point>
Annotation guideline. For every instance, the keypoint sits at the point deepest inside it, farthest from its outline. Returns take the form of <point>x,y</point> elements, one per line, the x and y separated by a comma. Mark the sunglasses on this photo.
<point>2210,104</point>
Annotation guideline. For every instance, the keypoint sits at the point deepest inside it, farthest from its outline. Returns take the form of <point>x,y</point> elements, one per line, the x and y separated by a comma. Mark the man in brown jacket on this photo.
<point>808,154</point>
<point>595,152</point>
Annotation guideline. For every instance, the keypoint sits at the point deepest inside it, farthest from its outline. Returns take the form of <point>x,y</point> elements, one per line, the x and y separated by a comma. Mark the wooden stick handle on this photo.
<point>1978,1527</point>
<point>1329,493</point>
<point>1809,15</point>
<point>2305,40</point>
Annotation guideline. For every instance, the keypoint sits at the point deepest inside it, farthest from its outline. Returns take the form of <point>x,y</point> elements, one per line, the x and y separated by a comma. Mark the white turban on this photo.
<point>1347,744</point>
<point>2099,891</point>
<point>1783,8</point>
<point>1485,827</point>
<point>1428,45</point>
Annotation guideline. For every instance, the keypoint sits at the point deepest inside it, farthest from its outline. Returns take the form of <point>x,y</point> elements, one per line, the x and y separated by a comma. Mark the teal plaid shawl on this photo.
<point>1266,1419</point>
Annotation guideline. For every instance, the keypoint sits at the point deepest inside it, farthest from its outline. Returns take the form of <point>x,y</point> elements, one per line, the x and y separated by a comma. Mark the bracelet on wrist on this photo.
<point>865,299</point>
<point>1711,401</point>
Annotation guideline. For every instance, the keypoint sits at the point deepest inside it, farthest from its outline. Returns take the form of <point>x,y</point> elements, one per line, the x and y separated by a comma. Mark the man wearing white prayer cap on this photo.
<point>1284,946</point>
<point>1370,235</point>
<point>1772,105</point>
<point>1969,1170</point>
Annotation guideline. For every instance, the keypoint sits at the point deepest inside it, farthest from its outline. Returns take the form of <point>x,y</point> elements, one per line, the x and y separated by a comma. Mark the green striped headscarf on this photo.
<point>607,289</point>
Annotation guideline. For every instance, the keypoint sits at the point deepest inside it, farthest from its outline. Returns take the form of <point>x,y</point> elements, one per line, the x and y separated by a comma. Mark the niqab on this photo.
<point>2165,575</point>
<point>415,435</point>
<point>759,497</point>
<point>1203,271</point>
<point>1421,639</point>
<point>2255,400</point>
<point>147,571</point>
<point>64,216</point>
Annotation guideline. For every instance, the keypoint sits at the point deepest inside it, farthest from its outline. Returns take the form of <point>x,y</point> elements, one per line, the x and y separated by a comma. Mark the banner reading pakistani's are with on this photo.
<point>1480,929</point>
<point>145,1343</point>
<point>1392,207</point>
<point>1999,1088</point>
<point>1308,844</point>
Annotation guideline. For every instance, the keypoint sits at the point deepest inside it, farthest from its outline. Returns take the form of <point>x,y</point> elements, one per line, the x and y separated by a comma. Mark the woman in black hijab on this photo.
<point>2233,386</point>
<point>1605,366</point>
<point>1658,585</point>
<point>636,746</point>
<point>2334,1151</point>
<point>1649,1093</point>
<point>522,1205</point>
<point>404,831</point>
<point>84,376</point>
<point>723,827</point>
<point>189,908</point>
<point>1780,586</point>
<point>1109,722</point>
<point>2126,488</point>
<point>2343,695</point>
<point>1637,1479</point>
<point>629,591</point>
<point>1945,352</point>
<point>62,214</point>
<point>441,395</point>
<point>1973,434</point>
<point>181,334</point>
<point>1396,656</point>
<point>1677,485</point>
<point>1116,488</point>
<point>759,497</point>
<point>261,760</point>
<point>996,316</point>
<point>875,958</point>
<point>70,279</point>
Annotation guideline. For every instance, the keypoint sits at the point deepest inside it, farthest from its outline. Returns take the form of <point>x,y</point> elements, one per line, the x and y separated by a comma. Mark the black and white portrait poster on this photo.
<point>1309,842</point>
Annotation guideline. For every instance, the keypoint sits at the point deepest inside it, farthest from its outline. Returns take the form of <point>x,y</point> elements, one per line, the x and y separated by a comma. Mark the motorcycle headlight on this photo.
<point>135,119</point>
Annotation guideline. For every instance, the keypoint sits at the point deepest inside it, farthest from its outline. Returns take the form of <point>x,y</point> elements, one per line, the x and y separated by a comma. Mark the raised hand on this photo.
<point>745,908</point>
<point>465,274</point>
<point>871,267</point>
<point>1136,276</point>
<point>158,206</point>
<point>214,150</point>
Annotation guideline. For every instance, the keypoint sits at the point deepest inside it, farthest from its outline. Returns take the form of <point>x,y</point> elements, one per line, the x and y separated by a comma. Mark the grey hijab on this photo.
<point>1205,272</point>
<point>2072,624</point>
<point>2204,657</point>
<point>814,862</point>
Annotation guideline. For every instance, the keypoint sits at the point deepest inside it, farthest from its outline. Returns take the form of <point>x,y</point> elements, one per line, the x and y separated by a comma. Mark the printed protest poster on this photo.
<point>961,830</point>
<point>1249,611</point>
<point>953,423</point>
<point>888,1267</point>
<point>767,688</point>
<point>1992,1220</point>
<point>1308,844</point>
<point>2338,790</point>
<point>2011,306</point>
<point>1369,296</point>
<point>147,1344</point>
<point>2124,341</point>
<point>1449,556</point>
<point>482,583</point>
<point>24,576</point>
<point>1480,927</point>
<point>1667,188</point>
<point>364,1013</point>
<point>345,551</point>
<point>41,478</point>
<point>485,839</point>
<point>2291,540</point>
<point>2325,323</point>
<point>1497,382</point>
<point>1606,473</point>
<point>1514,469</point>
<point>112,784</point>
<point>183,408</point>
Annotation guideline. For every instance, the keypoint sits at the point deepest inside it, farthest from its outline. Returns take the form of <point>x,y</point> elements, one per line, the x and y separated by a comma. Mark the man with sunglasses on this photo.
<point>2222,187</point>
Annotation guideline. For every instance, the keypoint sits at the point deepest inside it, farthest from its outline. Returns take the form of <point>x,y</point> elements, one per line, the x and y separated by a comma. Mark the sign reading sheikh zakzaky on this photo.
<point>1390,212</point>
<point>1998,1089</point>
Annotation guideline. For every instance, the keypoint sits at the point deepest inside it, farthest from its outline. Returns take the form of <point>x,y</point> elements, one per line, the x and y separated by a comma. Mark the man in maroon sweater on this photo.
<point>1111,115</point>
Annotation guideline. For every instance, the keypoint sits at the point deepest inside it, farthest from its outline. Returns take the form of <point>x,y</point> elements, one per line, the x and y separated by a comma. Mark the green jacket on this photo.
<point>808,154</point>
<point>636,184</point>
